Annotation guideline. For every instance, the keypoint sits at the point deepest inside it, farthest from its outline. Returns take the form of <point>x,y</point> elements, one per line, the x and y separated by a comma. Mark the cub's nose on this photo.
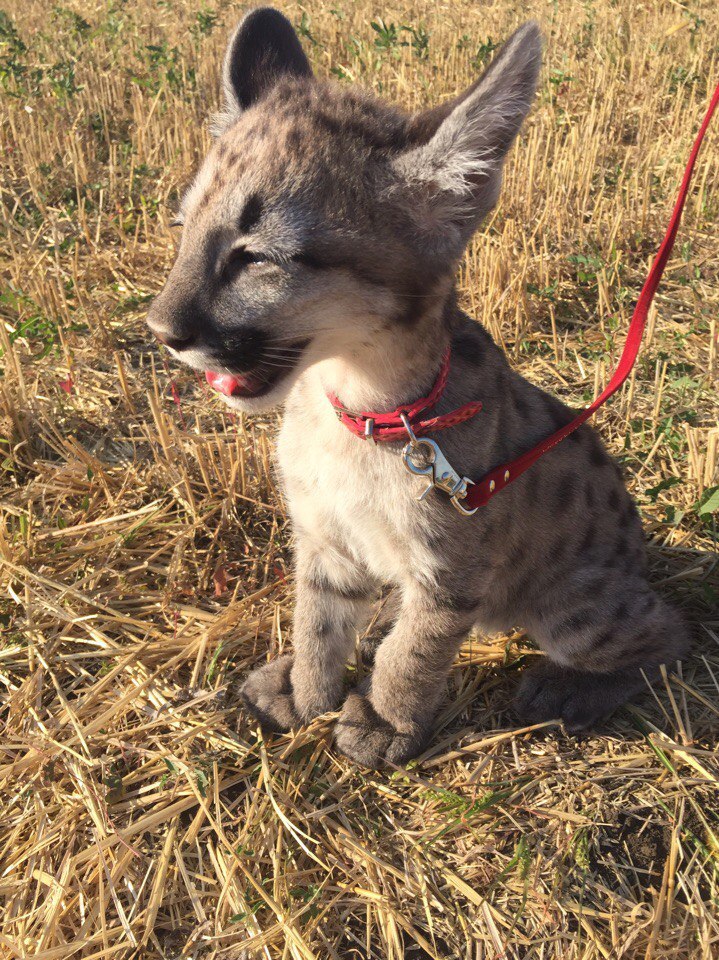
<point>174,338</point>
<point>171,341</point>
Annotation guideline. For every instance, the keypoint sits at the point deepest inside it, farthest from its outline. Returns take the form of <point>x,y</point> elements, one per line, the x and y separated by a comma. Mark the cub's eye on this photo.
<point>240,258</point>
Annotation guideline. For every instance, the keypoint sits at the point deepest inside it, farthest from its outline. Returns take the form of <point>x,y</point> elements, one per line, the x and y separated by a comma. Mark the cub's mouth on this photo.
<point>261,379</point>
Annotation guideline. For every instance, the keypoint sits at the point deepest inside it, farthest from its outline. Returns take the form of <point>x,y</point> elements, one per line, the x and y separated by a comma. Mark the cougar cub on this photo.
<point>321,239</point>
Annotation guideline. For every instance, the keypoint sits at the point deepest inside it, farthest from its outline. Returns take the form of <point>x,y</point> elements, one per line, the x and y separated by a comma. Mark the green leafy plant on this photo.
<point>484,52</point>
<point>38,330</point>
<point>389,37</point>
<point>12,51</point>
<point>708,504</point>
<point>205,22</point>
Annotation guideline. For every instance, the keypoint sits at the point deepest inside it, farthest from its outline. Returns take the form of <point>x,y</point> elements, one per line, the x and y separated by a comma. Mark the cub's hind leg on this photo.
<point>591,608</point>
<point>598,656</point>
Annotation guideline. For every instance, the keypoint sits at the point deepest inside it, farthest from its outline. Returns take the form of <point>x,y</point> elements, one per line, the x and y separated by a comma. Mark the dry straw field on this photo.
<point>144,546</point>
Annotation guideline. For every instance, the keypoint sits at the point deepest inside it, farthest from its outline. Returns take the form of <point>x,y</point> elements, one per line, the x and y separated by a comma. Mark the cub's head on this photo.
<point>323,218</point>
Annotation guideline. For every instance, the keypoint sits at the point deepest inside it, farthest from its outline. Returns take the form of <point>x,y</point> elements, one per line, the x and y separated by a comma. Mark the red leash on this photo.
<point>484,489</point>
<point>386,427</point>
<point>468,496</point>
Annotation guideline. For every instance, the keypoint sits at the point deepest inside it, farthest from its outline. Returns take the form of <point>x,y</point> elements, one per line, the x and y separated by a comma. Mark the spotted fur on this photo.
<point>321,239</point>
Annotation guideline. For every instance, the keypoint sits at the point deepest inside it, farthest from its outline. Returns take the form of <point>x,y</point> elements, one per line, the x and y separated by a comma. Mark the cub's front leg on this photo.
<point>389,718</point>
<point>332,594</point>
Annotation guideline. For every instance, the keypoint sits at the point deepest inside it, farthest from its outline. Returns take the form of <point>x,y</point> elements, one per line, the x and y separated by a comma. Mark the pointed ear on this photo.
<point>263,49</point>
<point>453,165</point>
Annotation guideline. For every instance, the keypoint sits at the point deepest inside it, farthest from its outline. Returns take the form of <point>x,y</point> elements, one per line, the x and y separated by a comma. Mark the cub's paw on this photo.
<point>548,692</point>
<point>363,736</point>
<point>267,694</point>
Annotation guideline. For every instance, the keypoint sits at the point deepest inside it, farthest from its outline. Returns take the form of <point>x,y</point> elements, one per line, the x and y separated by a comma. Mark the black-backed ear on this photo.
<point>263,49</point>
<point>453,163</point>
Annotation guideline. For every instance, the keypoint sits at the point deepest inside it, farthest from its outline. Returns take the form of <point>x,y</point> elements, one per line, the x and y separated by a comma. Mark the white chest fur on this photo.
<point>346,493</point>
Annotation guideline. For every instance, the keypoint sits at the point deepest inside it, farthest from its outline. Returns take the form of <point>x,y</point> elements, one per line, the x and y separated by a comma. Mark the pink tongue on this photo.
<point>222,382</point>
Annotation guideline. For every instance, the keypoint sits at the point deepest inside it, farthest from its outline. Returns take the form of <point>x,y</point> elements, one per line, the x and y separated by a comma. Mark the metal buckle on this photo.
<point>440,474</point>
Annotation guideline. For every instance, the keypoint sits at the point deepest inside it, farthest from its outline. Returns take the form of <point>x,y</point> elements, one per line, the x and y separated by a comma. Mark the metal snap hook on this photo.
<point>408,427</point>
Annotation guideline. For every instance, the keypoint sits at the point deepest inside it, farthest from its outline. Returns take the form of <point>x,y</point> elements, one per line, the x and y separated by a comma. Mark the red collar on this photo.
<point>388,427</point>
